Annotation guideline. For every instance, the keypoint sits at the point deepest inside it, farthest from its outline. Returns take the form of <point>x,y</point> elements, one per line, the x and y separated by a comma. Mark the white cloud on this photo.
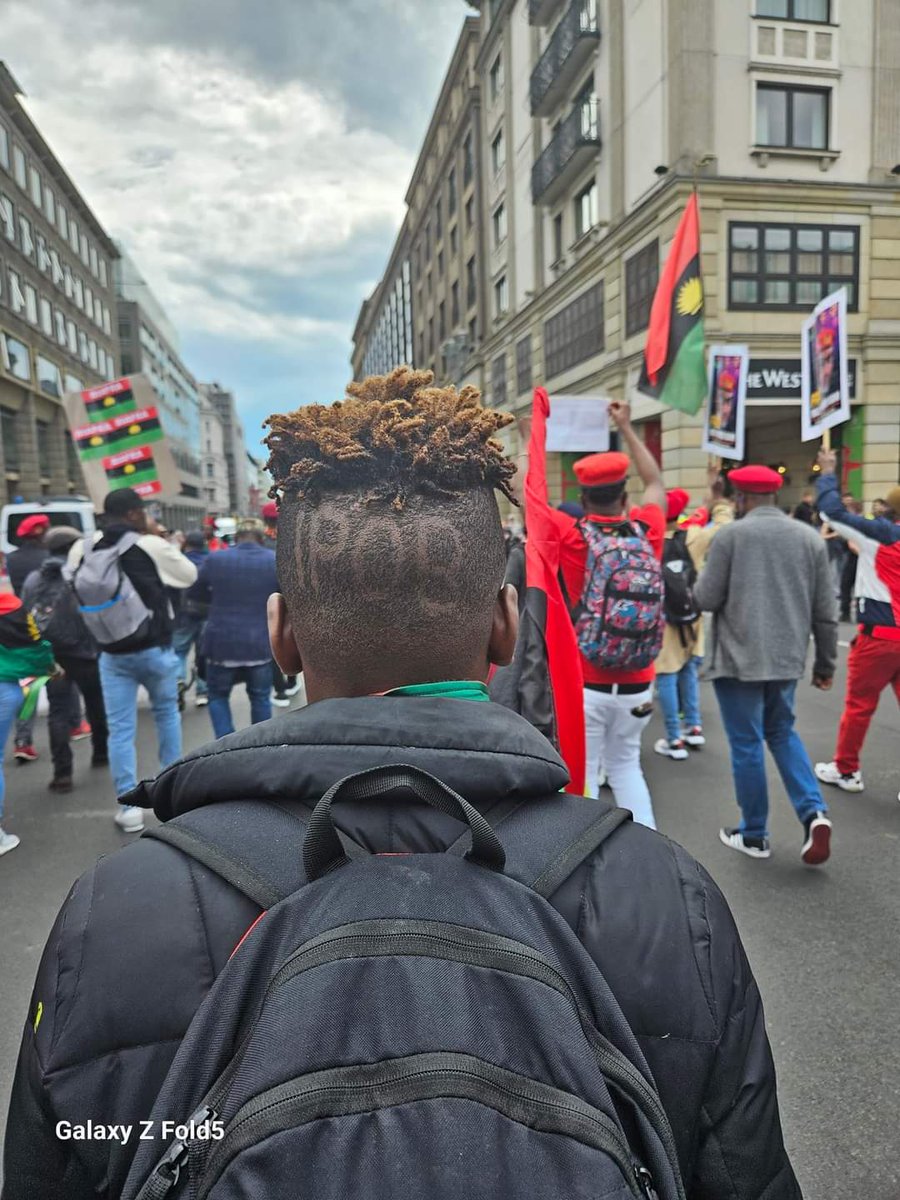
<point>210,176</point>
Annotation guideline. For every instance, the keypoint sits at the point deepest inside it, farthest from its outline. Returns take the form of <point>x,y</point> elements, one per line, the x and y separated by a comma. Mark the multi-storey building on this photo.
<point>599,116</point>
<point>149,345</point>
<point>57,306</point>
<point>235,449</point>
<point>213,465</point>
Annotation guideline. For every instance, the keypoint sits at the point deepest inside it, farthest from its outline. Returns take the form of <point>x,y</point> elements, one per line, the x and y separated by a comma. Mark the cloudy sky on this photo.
<point>253,156</point>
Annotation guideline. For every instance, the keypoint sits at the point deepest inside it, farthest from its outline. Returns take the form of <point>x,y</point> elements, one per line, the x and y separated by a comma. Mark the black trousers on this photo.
<point>83,674</point>
<point>848,582</point>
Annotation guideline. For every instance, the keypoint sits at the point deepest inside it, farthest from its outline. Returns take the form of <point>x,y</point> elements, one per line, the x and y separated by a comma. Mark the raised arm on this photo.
<point>645,464</point>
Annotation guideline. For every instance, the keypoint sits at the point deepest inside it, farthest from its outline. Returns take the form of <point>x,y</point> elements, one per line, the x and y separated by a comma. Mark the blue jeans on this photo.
<point>679,696</point>
<point>156,668</point>
<point>756,715</point>
<point>188,632</point>
<point>10,703</point>
<point>220,680</point>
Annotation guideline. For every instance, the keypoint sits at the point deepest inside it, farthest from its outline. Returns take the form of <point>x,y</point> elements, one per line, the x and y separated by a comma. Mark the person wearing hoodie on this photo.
<point>49,597</point>
<point>391,562</point>
<point>23,653</point>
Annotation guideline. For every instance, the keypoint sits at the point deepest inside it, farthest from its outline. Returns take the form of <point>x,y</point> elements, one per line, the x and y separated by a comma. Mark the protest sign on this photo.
<point>725,413</point>
<point>578,423</point>
<point>825,384</point>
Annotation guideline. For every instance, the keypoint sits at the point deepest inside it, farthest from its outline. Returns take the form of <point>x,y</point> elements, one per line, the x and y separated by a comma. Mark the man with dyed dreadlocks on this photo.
<point>391,561</point>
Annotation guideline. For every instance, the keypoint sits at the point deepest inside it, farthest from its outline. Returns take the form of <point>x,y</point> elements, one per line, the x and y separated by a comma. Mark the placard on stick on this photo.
<point>725,415</point>
<point>825,385</point>
<point>118,435</point>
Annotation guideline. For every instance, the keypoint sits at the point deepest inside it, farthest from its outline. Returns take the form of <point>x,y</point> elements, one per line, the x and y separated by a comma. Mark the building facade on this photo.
<point>57,306</point>
<point>234,446</point>
<point>598,119</point>
<point>148,345</point>
<point>213,465</point>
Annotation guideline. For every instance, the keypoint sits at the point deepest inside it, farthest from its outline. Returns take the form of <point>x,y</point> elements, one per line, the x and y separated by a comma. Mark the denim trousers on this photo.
<point>679,697</point>
<point>156,669</point>
<point>10,703</point>
<point>188,632</point>
<point>756,715</point>
<point>220,680</point>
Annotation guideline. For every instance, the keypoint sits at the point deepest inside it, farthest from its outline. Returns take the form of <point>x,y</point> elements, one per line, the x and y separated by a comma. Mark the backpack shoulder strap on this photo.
<point>255,845</point>
<point>545,841</point>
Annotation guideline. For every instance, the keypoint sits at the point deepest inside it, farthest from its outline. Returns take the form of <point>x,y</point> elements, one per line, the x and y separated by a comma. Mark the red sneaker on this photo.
<point>26,754</point>
<point>80,732</point>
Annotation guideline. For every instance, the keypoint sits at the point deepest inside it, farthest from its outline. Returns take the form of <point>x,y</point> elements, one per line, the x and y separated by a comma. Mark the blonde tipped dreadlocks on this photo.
<point>395,436</point>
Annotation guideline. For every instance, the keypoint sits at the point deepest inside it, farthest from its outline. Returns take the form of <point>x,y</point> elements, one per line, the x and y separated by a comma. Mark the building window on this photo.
<point>471,283</point>
<point>19,166</point>
<point>7,218</point>
<point>62,221</point>
<point>523,364</point>
<point>82,346</point>
<point>46,317</point>
<point>10,435</point>
<point>73,235</point>
<point>102,265</point>
<point>818,11</point>
<point>25,236</point>
<point>791,266</point>
<point>36,191</point>
<point>442,321</point>
<point>454,304</point>
<point>49,205</point>
<point>440,264</point>
<point>4,148</point>
<point>31,305</point>
<point>438,221</point>
<point>575,333</point>
<point>499,224</point>
<point>468,159</point>
<point>42,437</point>
<point>496,77</point>
<point>95,265</point>
<point>428,240</point>
<point>587,212</point>
<point>501,296</point>
<point>792,117</point>
<point>557,238</point>
<point>428,283</point>
<point>56,270</point>
<point>72,337</point>
<point>15,358</point>
<point>49,381</point>
<point>454,241</point>
<point>498,381</point>
<point>498,153</point>
<point>78,287</point>
<point>59,322</point>
<point>43,255</point>
<point>451,192</point>
<point>16,295</point>
<point>641,278</point>
<point>470,213</point>
<point>85,255</point>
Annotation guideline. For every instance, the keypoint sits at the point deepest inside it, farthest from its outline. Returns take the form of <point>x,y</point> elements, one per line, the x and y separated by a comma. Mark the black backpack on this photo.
<point>55,609</point>
<point>405,1025</point>
<point>679,577</point>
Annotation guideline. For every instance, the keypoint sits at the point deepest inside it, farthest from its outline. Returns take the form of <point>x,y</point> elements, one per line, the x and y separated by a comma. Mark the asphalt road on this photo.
<point>823,943</point>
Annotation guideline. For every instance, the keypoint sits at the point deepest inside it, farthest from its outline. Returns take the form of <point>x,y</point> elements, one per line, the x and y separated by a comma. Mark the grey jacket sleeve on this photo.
<point>824,615</point>
<point>711,589</point>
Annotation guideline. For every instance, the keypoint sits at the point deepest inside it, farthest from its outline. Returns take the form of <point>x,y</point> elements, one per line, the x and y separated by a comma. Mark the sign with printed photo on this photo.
<point>726,401</point>
<point>117,432</point>
<point>825,383</point>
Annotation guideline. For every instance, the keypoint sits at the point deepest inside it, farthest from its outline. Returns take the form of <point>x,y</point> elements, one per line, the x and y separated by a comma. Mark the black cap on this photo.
<point>122,502</point>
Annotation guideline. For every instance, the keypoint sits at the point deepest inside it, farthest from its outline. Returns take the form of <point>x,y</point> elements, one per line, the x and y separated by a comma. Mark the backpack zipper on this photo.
<point>486,947</point>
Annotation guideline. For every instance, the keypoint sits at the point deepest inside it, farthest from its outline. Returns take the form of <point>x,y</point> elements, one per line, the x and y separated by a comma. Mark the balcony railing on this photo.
<point>540,11</point>
<point>576,140</point>
<point>569,50</point>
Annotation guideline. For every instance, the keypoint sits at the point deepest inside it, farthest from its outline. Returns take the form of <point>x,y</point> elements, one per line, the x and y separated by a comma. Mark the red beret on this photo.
<point>598,469</point>
<point>758,481</point>
<point>270,510</point>
<point>676,503</point>
<point>33,525</point>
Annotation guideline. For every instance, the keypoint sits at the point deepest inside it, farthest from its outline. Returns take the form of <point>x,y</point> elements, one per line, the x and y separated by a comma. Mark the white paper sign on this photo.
<point>825,388</point>
<point>724,417</point>
<point>579,423</point>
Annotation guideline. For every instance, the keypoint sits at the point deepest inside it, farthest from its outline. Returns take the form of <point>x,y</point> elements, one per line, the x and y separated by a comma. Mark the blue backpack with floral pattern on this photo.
<point>620,618</point>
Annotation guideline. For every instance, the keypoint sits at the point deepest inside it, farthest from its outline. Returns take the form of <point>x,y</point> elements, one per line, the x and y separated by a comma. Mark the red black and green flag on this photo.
<point>674,371</point>
<point>117,434</point>
<point>130,468</point>
<point>554,701</point>
<point>111,400</point>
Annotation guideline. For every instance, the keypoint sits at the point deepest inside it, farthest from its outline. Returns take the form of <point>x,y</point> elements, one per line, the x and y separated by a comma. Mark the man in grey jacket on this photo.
<point>768,585</point>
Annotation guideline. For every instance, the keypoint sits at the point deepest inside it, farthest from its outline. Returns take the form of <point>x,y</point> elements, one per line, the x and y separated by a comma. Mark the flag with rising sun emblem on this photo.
<point>674,371</point>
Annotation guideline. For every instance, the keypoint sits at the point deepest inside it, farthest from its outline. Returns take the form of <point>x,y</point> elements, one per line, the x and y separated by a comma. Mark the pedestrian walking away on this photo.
<point>430,1000</point>
<point>190,622</point>
<point>236,584</point>
<point>284,687</point>
<point>28,557</point>
<point>874,661</point>
<point>679,662</point>
<point>768,584</point>
<point>616,546</point>
<point>120,582</point>
<point>49,597</point>
<point>23,653</point>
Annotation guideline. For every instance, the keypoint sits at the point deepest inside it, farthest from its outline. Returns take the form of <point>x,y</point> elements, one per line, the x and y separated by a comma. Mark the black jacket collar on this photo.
<point>483,751</point>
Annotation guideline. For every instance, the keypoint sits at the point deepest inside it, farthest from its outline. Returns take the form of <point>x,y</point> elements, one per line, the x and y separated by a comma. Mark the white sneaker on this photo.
<point>281,702</point>
<point>295,687</point>
<point>201,701</point>
<point>8,841</point>
<point>674,749</point>
<point>694,737</point>
<point>829,773</point>
<point>130,818</point>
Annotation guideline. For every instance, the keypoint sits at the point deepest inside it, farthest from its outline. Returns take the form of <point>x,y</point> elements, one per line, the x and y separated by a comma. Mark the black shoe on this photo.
<point>100,760</point>
<point>756,847</point>
<point>63,783</point>
<point>817,844</point>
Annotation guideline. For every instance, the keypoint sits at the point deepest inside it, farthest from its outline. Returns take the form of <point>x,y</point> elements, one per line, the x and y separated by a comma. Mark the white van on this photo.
<point>76,511</point>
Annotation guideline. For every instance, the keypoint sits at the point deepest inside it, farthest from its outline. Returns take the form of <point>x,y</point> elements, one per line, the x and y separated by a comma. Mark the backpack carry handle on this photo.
<point>323,850</point>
